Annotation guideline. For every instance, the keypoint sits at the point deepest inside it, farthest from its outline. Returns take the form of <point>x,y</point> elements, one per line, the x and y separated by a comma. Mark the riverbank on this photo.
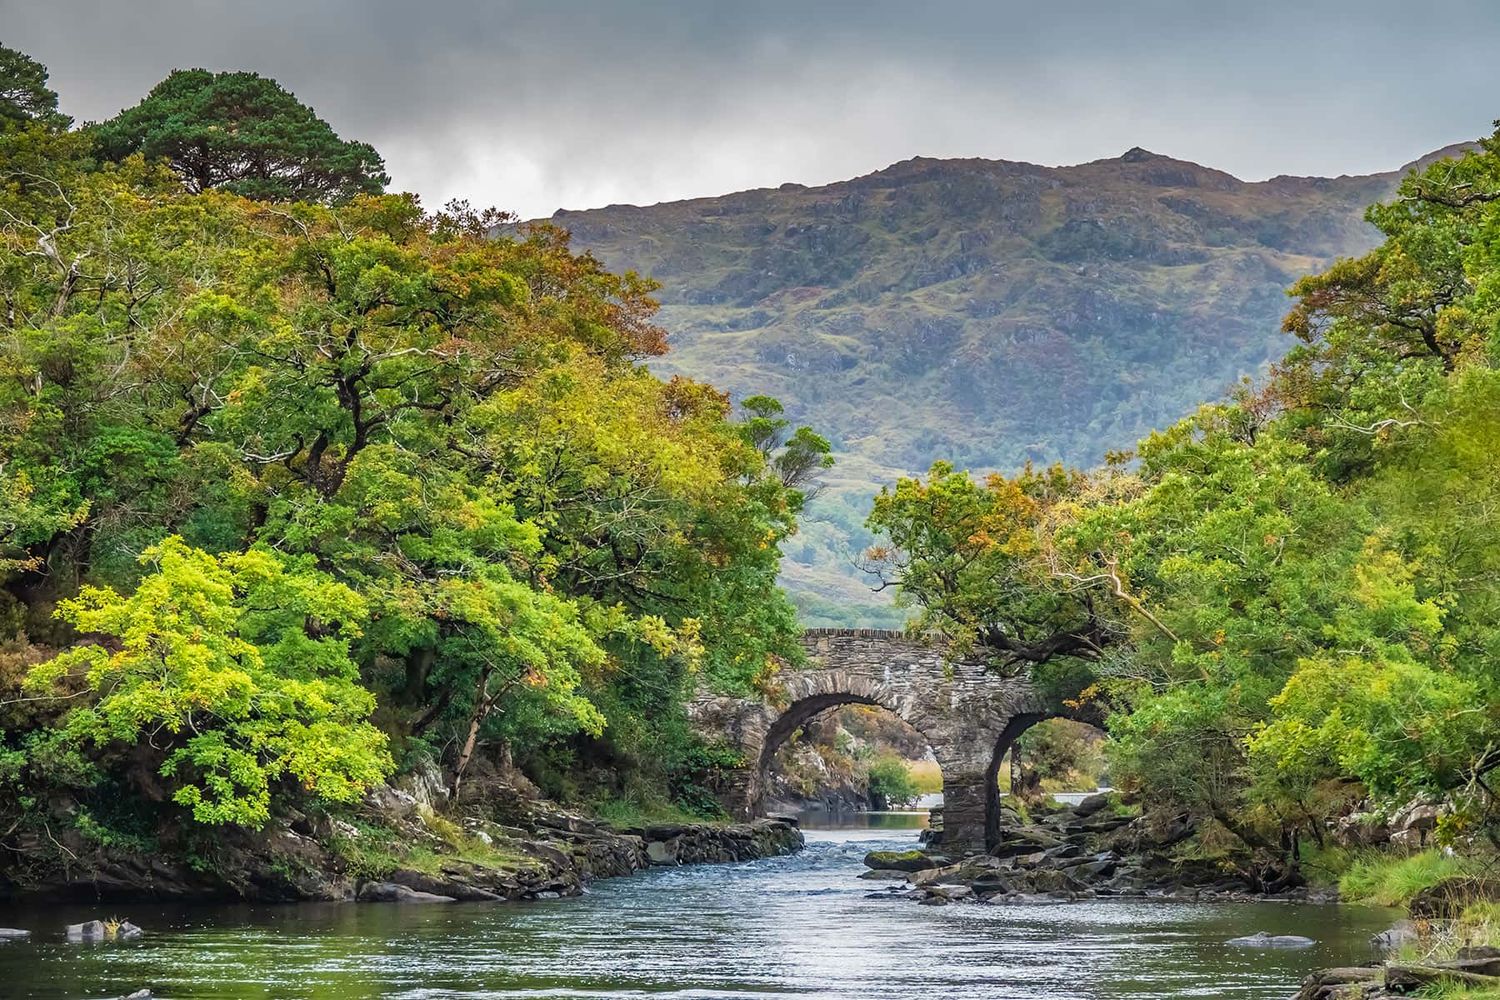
<point>403,845</point>
<point>1450,944</point>
<point>1093,848</point>
<point>793,926</point>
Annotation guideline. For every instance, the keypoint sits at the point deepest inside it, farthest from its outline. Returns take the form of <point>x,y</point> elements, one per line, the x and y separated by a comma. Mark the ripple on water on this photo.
<point>785,927</point>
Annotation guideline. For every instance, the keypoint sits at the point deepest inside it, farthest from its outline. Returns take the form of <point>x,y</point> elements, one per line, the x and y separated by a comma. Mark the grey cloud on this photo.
<point>536,106</point>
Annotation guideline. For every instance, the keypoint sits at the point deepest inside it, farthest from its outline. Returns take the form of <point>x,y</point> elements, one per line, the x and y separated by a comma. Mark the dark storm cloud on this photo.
<point>535,106</point>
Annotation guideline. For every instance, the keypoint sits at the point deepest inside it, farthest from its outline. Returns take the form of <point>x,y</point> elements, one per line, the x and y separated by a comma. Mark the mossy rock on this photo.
<point>903,861</point>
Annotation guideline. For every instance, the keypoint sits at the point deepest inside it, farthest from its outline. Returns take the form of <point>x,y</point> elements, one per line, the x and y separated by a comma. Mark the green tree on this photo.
<point>245,133</point>
<point>236,670</point>
<point>889,783</point>
<point>24,94</point>
<point>796,456</point>
<point>976,558</point>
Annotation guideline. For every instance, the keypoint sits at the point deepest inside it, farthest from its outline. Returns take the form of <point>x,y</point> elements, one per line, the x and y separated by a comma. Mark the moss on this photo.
<point>375,850</point>
<point>901,861</point>
<point>625,813</point>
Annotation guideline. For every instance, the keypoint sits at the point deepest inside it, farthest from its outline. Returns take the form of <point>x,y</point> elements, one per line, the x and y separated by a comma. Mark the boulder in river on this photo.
<point>663,852</point>
<point>1404,932</point>
<point>1091,804</point>
<point>391,892</point>
<point>98,930</point>
<point>89,930</point>
<point>1261,939</point>
<point>903,861</point>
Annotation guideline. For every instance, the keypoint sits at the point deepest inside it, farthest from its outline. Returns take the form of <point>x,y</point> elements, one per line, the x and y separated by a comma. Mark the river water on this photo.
<point>800,926</point>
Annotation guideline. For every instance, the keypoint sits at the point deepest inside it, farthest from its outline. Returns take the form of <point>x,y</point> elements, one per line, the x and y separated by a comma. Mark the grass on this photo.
<point>375,850</point>
<point>1478,925</point>
<point>1394,881</point>
<point>927,776</point>
<point>623,813</point>
<point>1456,992</point>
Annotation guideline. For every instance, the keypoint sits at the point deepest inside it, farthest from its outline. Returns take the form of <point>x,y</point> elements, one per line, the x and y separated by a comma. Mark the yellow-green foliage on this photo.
<point>927,776</point>
<point>382,464</point>
<point>215,649</point>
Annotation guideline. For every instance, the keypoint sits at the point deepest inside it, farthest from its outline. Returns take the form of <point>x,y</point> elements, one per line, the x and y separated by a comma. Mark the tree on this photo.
<point>236,670</point>
<point>889,783</point>
<point>245,133</point>
<point>24,94</point>
<point>976,558</point>
<point>796,458</point>
<point>552,546</point>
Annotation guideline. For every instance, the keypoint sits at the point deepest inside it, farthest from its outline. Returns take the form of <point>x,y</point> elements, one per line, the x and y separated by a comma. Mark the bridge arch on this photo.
<point>968,715</point>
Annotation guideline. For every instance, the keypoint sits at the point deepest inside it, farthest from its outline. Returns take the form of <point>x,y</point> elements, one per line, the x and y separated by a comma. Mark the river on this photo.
<point>799,926</point>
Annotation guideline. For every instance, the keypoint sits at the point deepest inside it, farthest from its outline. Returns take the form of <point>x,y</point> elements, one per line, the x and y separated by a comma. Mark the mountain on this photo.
<point>985,311</point>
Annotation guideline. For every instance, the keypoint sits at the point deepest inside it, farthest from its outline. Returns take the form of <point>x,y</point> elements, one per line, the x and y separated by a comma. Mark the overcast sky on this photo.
<point>533,106</point>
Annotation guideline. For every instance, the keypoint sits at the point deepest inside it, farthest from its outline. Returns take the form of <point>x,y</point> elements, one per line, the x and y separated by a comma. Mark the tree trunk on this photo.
<point>1025,782</point>
<point>418,664</point>
<point>482,704</point>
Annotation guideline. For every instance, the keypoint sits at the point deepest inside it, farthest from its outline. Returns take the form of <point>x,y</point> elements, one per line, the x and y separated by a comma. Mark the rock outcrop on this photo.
<point>94,931</point>
<point>1083,852</point>
<point>538,852</point>
<point>1473,967</point>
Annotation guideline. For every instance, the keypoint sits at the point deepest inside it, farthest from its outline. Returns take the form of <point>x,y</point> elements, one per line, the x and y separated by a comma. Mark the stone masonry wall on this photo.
<point>967,714</point>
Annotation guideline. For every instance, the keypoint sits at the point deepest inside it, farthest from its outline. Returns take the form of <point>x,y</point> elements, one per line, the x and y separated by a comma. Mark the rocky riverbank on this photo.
<point>404,845</point>
<point>1085,851</point>
<point>1473,967</point>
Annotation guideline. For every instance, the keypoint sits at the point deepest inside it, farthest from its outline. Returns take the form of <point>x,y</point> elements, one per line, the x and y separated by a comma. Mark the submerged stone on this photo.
<point>391,892</point>
<point>1263,940</point>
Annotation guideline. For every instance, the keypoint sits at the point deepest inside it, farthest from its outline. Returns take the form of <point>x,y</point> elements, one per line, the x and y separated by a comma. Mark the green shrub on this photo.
<point>891,782</point>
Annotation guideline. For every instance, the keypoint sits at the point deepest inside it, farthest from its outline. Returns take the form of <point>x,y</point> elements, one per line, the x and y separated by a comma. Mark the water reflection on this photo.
<point>850,819</point>
<point>799,926</point>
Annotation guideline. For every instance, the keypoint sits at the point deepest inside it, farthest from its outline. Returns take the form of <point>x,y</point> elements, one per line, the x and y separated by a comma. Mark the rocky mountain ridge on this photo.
<point>986,311</point>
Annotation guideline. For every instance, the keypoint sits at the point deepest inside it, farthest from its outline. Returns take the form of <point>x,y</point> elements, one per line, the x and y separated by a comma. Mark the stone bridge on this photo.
<point>968,715</point>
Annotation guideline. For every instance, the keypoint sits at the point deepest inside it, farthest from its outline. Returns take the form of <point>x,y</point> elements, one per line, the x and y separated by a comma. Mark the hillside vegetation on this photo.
<point>1283,605</point>
<point>303,485</point>
<point>981,311</point>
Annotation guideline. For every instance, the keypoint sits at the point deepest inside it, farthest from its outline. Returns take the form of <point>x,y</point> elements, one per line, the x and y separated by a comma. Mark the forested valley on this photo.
<point>307,489</point>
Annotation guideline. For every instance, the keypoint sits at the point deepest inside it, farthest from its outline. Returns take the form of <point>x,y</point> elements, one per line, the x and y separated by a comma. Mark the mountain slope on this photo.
<point>985,311</point>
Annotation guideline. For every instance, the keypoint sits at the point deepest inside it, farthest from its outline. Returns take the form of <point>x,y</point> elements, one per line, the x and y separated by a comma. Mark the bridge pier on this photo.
<point>966,800</point>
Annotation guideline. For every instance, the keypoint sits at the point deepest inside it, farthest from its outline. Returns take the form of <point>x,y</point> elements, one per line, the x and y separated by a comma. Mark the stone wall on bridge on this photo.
<point>968,715</point>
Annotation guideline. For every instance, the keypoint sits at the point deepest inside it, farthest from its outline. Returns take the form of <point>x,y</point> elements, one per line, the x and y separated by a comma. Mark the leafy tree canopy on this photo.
<point>24,94</point>
<point>245,133</point>
<point>486,522</point>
